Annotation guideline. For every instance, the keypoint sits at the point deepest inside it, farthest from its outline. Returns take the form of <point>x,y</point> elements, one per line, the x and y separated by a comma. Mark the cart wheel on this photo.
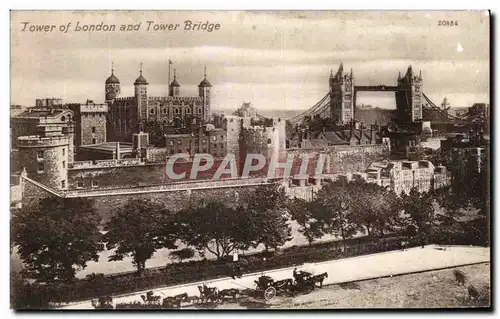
<point>269,293</point>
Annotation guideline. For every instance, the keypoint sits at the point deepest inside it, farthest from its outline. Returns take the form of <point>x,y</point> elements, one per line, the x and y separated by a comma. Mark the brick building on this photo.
<point>207,139</point>
<point>355,134</point>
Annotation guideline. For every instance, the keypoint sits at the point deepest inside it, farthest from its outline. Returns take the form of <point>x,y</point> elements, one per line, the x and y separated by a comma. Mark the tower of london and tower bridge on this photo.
<point>108,150</point>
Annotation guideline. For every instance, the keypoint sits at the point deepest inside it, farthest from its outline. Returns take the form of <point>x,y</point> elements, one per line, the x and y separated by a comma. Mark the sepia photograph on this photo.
<point>216,160</point>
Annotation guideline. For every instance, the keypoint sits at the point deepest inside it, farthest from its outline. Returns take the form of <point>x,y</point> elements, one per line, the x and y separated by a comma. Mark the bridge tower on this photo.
<point>342,96</point>
<point>409,99</point>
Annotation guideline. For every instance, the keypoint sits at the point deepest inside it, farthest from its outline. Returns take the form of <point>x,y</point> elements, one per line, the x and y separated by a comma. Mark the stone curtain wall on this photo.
<point>118,176</point>
<point>32,193</point>
<point>342,159</point>
<point>173,200</point>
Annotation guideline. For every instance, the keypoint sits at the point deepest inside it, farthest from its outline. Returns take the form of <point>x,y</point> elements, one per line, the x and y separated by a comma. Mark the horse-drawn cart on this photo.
<point>265,288</point>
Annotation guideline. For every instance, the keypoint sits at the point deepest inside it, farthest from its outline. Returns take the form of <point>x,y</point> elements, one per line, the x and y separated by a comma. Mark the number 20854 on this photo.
<point>447,23</point>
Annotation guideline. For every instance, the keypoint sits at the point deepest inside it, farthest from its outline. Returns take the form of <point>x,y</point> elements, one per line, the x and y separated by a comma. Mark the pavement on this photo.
<point>365,267</point>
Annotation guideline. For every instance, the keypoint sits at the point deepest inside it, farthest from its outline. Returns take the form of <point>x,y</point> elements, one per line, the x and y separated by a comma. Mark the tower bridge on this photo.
<point>412,105</point>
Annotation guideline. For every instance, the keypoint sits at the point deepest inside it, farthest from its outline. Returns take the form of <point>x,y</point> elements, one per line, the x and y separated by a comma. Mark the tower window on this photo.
<point>39,154</point>
<point>199,111</point>
<point>164,110</point>
<point>64,164</point>
<point>188,111</point>
<point>63,184</point>
<point>152,111</point>
<point>95,183</point>
<point>64,152</point>
<point>79,185</point>
<point>176,111</point>
<point>268,141</point>
<point>94,141</point>
<point>93,129</point>
<point>40,168</point>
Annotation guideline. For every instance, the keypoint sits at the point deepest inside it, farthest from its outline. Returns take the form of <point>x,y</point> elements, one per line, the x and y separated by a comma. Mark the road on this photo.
<point>430,289</point>
<point>339,271</point>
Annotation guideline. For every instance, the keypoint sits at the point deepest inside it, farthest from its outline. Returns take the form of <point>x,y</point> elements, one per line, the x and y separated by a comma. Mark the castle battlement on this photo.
<point>183,98</point>
<point>129,98</point>
<point>157,98</point>
<point>38,141</point>
<point>94,108</point>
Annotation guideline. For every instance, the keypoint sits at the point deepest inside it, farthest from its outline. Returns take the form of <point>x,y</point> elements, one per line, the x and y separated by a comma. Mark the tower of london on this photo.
<point>129,115</point>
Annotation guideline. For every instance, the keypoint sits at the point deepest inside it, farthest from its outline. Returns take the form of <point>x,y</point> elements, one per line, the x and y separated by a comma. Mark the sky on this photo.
<point>274,59</point>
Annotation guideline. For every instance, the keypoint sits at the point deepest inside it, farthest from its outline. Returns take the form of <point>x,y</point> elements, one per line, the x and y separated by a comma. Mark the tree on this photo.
<point>420,208</point>
<point>182,254</point>
<point>303,213</point>
<point>218,228</point>
<point>267,213</point>
<point>373,207</point>
<point>334,210</point>
<point>140,228</point>
<point>57,237</point>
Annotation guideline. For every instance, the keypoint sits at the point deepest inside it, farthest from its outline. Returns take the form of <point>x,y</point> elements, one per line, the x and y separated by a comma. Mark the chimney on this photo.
<point>117,150</point>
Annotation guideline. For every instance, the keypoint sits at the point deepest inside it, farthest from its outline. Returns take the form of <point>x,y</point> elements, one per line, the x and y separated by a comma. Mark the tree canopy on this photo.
<point>139,229</point>
<point>57,237</point>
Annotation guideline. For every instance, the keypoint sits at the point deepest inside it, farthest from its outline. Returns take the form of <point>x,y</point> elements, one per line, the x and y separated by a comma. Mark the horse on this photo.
<point>319,279</point>
<point>307,284</point>
<point>181,297</point>
<point>103,302</point>
<point>171,303</point>
<point>207,293</point>
<point>233,292</point>
<point>150,298</point>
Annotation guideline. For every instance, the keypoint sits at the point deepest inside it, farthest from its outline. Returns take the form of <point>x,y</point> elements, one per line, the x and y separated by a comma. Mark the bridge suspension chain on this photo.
<point>317,108</point>
<point>441,111</point>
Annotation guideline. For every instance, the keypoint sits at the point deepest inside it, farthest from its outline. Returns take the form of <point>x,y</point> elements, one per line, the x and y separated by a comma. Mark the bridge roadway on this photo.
<point>375,88</point>
<point>386,264</point>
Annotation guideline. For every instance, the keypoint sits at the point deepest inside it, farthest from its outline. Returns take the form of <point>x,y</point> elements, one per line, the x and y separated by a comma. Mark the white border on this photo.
<point>194,5</point>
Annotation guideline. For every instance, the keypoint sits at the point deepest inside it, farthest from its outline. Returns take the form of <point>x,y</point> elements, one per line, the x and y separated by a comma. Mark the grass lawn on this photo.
<point>433,289</point>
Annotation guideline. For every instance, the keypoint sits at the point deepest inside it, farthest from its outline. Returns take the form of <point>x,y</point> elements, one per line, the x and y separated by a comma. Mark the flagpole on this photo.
<point>168,84</point>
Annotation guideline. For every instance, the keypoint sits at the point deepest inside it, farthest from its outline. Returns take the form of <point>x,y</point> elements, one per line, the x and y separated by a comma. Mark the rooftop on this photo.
<point>41,112</point>
<point>109,147</point>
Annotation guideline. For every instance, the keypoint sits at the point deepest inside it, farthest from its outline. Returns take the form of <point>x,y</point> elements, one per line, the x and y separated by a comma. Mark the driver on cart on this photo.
<point>299,275</point>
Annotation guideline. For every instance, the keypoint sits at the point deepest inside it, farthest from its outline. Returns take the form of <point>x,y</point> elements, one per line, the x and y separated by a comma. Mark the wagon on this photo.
<point>265,288</point>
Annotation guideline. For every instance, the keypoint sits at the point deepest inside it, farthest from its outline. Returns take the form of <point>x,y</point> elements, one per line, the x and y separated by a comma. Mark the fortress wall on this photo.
<point>340,160</point>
